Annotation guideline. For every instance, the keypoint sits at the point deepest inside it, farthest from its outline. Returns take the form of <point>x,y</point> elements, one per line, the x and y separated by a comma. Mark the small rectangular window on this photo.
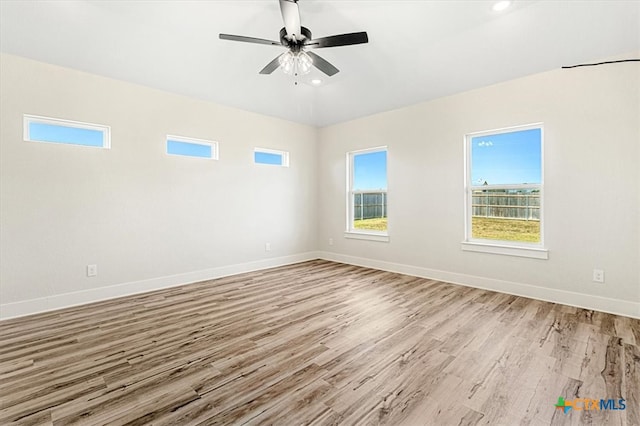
<point>504,187</point>
<point>55,130</point>
<point>189,147</point>
<point>367,194</point>
<point>271,156</point>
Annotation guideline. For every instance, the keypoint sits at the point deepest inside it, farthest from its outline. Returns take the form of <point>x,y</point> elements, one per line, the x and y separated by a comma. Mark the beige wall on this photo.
<point>136,212</point>
<point>149,220</point>
<point>592,183</point>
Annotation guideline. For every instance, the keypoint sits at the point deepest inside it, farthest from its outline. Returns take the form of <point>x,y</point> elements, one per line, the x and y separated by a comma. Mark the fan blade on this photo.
<point>291,18</point>
<point>323,65</point>
<point>249,39</point>
<point>271,66</point>
<point>338,40</point>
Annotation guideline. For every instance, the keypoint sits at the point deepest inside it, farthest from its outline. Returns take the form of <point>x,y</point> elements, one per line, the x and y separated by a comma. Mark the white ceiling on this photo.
<point>417,50</point>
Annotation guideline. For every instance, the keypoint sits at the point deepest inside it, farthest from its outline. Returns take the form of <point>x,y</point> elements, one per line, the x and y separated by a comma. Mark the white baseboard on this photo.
<point>598,303</point>
<point>44,304</point>
<point>59,301</point>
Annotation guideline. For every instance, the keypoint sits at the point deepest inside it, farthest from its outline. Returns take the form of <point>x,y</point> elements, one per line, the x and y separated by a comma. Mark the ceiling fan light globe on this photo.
<point>287,63</point>
<point>298,63</point>
<point>304,63</point>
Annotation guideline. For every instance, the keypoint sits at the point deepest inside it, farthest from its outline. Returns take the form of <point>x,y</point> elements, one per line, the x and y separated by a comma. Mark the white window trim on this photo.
<point>508,248</point>
<point>350,232</point>
<point>28,118</point>
<point>369,236</point>
<point>203,142</point>
<point>284,154</point>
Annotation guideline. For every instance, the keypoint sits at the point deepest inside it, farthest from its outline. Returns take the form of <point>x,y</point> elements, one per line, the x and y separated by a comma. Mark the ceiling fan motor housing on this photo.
<point>294,44</point>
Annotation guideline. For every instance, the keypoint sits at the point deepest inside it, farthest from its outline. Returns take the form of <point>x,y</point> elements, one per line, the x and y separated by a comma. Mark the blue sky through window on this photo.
<point>67,135</point>
<point>507,158</point>
<point>188,149</point>
<point>267,158</point>
<point>370,171</point>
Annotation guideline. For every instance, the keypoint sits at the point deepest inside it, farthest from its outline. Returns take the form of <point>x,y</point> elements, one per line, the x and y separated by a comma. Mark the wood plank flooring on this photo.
<point>318,343</point>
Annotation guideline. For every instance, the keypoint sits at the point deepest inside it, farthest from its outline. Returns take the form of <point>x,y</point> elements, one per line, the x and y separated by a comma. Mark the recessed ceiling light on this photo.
<point>316,82</point>
<point>501,5</point>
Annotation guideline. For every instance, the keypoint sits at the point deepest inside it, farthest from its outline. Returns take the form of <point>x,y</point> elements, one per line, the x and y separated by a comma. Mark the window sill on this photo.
<point>531,252</point>
<point>367,236</point>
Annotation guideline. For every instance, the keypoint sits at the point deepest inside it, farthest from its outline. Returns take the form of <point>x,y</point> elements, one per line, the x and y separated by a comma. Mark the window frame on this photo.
<point>350,231</point>
<point>283,154</point>
<point>61,122</point>
<point>193,141</point>
<point>511,248</point>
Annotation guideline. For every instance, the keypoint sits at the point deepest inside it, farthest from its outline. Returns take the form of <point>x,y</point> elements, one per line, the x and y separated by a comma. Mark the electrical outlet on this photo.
<point>330,241</point>
<point>267,247</point>
<point>92,270</point>
<point>598,275</point>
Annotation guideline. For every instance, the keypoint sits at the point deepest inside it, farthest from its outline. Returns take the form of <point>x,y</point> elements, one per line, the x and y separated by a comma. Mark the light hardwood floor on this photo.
<point>318,343</point>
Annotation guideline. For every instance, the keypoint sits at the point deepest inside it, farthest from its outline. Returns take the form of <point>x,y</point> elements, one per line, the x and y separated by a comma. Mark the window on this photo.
<point>367,194</point>
<point>504,184</point>
<point>189,147</point>
<point>54,130</point>
<point>271,156</point>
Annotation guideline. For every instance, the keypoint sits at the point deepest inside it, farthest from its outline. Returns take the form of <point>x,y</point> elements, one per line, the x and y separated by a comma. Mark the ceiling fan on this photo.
<point>298,59</point>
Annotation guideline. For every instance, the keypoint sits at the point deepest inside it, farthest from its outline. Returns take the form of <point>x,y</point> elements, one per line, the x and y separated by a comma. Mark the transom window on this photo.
<point>271,156</point>
<point>504,186</point>
<point>66,132</point>
<point>190,147</point>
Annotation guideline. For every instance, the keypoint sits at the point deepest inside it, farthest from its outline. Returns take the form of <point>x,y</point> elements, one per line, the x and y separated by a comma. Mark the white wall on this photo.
<point>592,186</point>
<point>145,218</point>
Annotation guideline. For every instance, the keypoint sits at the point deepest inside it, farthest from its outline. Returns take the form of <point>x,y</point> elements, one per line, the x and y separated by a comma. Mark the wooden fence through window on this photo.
<point>504,205</point>
<point>369,205</point>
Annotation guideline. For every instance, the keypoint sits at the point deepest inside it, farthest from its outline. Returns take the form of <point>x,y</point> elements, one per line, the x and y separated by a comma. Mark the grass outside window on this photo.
<point>489,228</point>
<point>378,224</point>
